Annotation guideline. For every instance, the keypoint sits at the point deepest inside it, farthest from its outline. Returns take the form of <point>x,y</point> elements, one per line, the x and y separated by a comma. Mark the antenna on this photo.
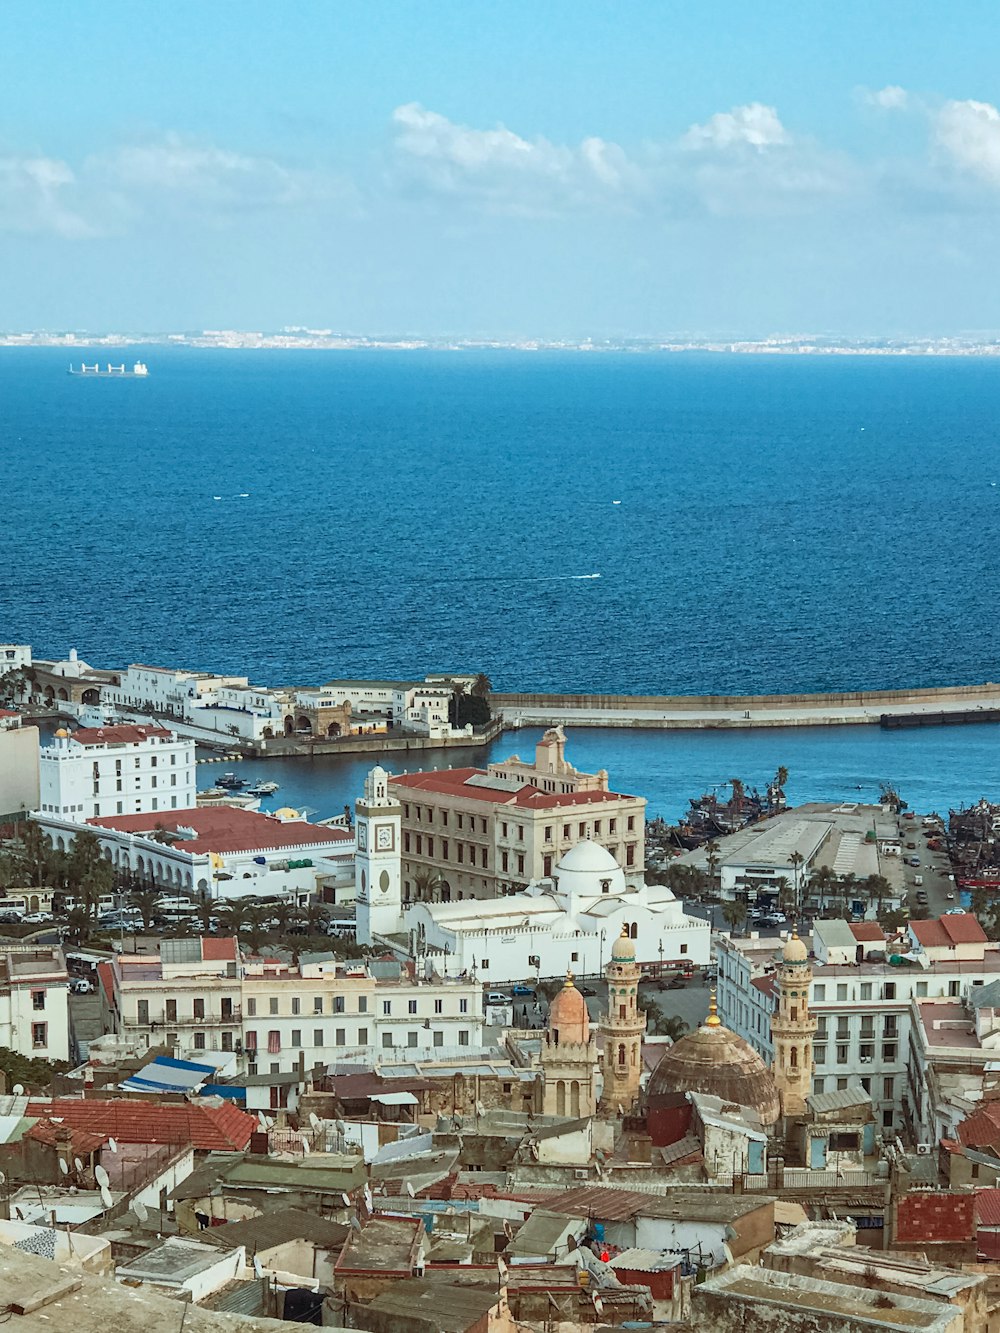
<point>102,1177</point>
<point>17,1090</point>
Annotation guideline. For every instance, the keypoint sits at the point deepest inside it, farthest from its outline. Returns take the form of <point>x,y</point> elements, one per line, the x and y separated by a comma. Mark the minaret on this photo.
<point>377,867</point>
<point>569,1056</point>
<point>793,1029</point>
<point>624,1028</point>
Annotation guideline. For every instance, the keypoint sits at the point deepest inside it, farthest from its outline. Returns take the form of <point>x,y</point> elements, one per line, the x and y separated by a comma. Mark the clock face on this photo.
<point>383,838</point>
<point>363,837</point>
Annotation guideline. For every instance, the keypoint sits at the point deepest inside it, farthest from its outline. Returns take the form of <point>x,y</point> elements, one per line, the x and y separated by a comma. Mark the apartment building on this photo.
<point>482,833</point>
<point>863,1007</point>
<point>204,995</point>
<point>97,772</point>
<point>34,1001</point>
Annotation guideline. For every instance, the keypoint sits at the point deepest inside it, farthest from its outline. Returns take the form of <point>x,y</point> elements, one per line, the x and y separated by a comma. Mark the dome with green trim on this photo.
<point>623,949</point>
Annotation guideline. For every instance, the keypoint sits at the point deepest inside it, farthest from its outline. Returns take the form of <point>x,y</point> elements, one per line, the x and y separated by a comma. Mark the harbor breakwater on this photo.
<point>938,705</point>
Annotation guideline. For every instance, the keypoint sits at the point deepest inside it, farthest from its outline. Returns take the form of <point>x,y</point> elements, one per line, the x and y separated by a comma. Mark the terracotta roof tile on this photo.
<point>218,950</point>
<point>947,931</point>
<point>868,932</point>
<point>456,782</point>
<point>105,974</point>
<point>82,1140</point>
<point>126,734</point>
<point>227,828</point>
<point>988,1207</point>
<point>222,1128</point>
<point>981,1129</point>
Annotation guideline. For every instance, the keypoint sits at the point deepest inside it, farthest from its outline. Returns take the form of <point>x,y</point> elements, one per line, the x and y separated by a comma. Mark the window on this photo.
<point>819,1055</point>
<point>503,830</point>
<point>953,988</point>
<point>612,825</point>
<point>362,1036</point>
<point>889,1052</point>
<point>520,865</point>
<point>251,1008</point>
<point>273,1042</point>
<point>574,958</point>
<point>251,1041</point>
<point>889,1026</point>
<point>339,1004</point>
<point>38,1000</point>
<point>386,1007</point>
<point>411,1006</point>
<point>842,1055</point>
<point>296,1036</point>
<point>362,1004</point>
<point>171,1011</point>
<point>819,993</point>
<point>444,849</point>
<point>867,1051</point>
<point>317,1036</point>
<point>888,1089</point>
<point>340,1037</point>
<point>866,990</point>
<point>887,1119</point>
<point>546,866</point>
<point>484,858</point>
<point>463,1006</point>
<point>504,861</point>
<point>889,992</point>
<point>520,833</point>
<point>296,1004</point>
<point>548,832</point>
<point>460,852</point>
<point>272,1004</point>
<point>458,820</point>
<point>199,1041</point>
<point>841,1084</point>
<point>411,1038</point>
<point>921,988</point>
<point>439,1006</point>
<point>387,1041</point>
<point>142,1013</point>
<point>227,1041</point>
<point>597,828</point>
<point>438,1038</point>
<point>684,947</point>
<point>842,991</point>
<point>317,1004</point>
<point>39,1035</point>
<point>463,1037</point>
<point>198,1008</point>
<point>818,1084</point>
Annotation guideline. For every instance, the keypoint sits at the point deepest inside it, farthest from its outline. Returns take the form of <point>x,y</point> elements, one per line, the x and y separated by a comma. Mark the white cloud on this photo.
<point>753,126</point>
<point>504,171</point>
<point>889,98</point>
<point>37,195</point>
<point>967,134</point>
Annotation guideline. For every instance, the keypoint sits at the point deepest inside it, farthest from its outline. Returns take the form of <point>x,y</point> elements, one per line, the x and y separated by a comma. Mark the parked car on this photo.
<point>587,990</point>
<point>913,861</point>
<point>37,918</point>
<point>497,997</point>
<point>677,982</point>
<point>522,990</point>
<point>955,911</point>
<point>81,986</point>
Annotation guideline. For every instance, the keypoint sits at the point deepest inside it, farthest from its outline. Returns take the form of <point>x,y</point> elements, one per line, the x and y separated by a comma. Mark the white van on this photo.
<point>918,880</point>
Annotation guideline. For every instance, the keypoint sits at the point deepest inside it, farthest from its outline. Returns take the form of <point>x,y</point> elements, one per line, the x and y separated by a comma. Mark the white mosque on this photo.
<point>568,922</point>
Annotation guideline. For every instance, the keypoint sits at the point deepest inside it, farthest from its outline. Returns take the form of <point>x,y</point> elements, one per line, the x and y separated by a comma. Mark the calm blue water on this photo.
<point>934,769</point>
<point>784,524</point>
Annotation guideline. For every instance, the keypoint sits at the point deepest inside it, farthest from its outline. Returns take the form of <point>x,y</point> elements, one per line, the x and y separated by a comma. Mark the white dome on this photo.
<point>588,858</point>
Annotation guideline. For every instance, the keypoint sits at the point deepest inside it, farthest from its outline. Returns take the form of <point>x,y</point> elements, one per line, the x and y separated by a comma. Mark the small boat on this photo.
<point>230,781</point>
<point>139,371</point>
<point>263,789</point>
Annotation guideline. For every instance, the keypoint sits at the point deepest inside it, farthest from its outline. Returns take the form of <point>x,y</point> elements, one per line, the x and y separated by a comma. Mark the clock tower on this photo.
<point>377,861</point>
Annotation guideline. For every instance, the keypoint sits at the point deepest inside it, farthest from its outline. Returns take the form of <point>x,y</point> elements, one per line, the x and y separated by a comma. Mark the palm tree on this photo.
<point>797,861</point>
<point>482,686</point>
<point>822,882</point>
<point>786,896</point>
<point>287,915</point>
<point>316,918</point>
<point>146,903</point>
<point>255,925</point>
<point>205,912</point>
<point>232,915</point>
<point>734,914</point>
<point>427,882</point>
<point>712,861</point>
<point>77,925</point>
<point>162,834</point>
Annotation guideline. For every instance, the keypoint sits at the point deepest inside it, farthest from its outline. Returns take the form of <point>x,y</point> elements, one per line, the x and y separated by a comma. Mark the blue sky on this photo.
<point>516,169</point>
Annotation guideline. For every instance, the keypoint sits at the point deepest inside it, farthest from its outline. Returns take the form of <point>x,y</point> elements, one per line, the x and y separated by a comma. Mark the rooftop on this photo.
<point>127,734</point>
<point>476,784</point>
<point>225,828</point>
<point>173,1262</point>
<point>275,1227</point>
<point>946,1023</point>
<point>617,1205</point>
<point>205,1127</point>
<point>444,1306</point>
<point>947,931</point>
<point>384,1244</point>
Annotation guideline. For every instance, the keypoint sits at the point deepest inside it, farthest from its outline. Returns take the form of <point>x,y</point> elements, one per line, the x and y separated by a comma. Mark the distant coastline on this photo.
<point>305,339</point>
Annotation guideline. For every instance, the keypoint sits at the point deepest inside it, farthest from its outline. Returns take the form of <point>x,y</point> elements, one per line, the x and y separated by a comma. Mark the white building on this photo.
<point>34,1001</point>
<point>98,771</point>
<point>206,996</point>
<point>863,1008</point>
<point>14,657</point>
<point>221,851</point>
<point>226,705</point>
<point>568,922</point>
<point>19,791</point>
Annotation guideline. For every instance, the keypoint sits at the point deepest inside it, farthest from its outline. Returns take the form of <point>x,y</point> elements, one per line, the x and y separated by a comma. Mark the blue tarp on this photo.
<point>167,1075</point>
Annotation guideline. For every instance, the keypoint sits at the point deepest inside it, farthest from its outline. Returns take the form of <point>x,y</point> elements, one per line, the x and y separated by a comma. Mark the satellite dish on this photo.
<point>314,1120</point>
<point>77,1163</point>
<point>258,1267</point>
<point>3,1178</point>
<point>112,1145</point>
<point>102,1177</point>
<point>347,1200</point>
<point>20,1215</point>
<point>17,1090</point>
<point>63,1167</point>
<point>106,1198</point>
<point>305,1144</point>
<point>501,1268</point>
<point>409,1190</point>
<point>480,1109</point>
<point>340,1127</point>
<point>368,1200</point>
<point>355,1224</point>
<point>139,1209</point>
<point>262,1121</point>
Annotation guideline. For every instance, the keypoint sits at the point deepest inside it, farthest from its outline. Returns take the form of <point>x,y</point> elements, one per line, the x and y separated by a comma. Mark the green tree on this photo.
<point>145,901</point>
<point>233,916</point>
<point>685,881</point>
<point>662,1024</point>
<point>822,883</point>
<point>734,913</point>
<point>32,853</point>
<point>205,910</point>
<point>482,686</point>
<point>797,861</point>
<point>316,918</point>
<point>712,860</point>
<point>288,915</point>
<point>255,925</point>
<point>78,925</point>
<point>427,882</point>
<point>786,895</point>
<point>13,685</point>
<point>33,1075</point>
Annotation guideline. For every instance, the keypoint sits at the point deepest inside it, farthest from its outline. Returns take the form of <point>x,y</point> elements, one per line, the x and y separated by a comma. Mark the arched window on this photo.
<point>621,1053</point>
<point>795,1013</point>
<point>793,1057</point>
<point>560,1098</point>
<point>635,930</point>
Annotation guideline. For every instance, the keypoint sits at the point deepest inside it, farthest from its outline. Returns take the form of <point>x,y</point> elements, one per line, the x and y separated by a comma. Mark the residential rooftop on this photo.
<point>226,828</point>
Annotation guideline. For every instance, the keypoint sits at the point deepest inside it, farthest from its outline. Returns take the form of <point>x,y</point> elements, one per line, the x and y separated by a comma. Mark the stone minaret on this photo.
<point>569,1056</point>
<point>624,1028</point>
<point>793,1028</point>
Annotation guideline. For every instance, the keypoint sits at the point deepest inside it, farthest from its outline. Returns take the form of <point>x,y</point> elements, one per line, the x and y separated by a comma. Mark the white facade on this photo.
<point>19,786</point>
<point>14,657</point>
<point>378,868</point>
<point>863,1013</point>
<point>34,1002</point>
<point>228,705</point>
<point>418,706</point>
<point>567,923</point>
<point>96,772</point>
<point>272,1016</point>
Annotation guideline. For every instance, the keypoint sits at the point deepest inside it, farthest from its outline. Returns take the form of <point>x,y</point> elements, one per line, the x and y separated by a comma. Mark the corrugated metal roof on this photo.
<point>646,1261</point>
<point>543,1232</point>
<point>842,1099</point>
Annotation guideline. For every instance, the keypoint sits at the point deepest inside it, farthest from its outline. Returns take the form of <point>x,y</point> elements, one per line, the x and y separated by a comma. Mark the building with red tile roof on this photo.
<point>482,833</point>
<point>97,771</point>
<point>226,829</point>
<point>223,1128</point>
<point>868,932</point>
<point>959,937</point>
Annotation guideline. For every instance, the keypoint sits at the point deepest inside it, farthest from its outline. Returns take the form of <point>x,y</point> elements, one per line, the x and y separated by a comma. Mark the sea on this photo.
<point>657,523</point>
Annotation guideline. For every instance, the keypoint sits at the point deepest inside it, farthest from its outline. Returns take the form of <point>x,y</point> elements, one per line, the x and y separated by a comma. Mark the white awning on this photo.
<point>395,1098</point>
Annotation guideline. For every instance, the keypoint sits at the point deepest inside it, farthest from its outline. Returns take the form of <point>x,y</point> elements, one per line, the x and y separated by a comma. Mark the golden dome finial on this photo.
<point>569,978</point>
<point>713,1020</point>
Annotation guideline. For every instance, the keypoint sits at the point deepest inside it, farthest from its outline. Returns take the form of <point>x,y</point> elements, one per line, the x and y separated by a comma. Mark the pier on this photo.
<point>939,706</point>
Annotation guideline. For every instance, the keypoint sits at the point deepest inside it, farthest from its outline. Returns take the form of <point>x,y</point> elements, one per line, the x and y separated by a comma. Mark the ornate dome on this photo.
<point>623,949</point>
<point>589,858</point>
<point>62,732</point>
<point>568,1016</point>
<point>794,951</point>
<point>286,812</point>
<point>716,1061</point>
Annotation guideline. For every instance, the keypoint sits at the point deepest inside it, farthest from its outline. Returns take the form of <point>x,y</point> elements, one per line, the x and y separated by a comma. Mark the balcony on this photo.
<point>160,1020</point>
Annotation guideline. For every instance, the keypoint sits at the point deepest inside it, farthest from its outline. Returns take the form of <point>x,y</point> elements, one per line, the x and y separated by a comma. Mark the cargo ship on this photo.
<point>139,371</point>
